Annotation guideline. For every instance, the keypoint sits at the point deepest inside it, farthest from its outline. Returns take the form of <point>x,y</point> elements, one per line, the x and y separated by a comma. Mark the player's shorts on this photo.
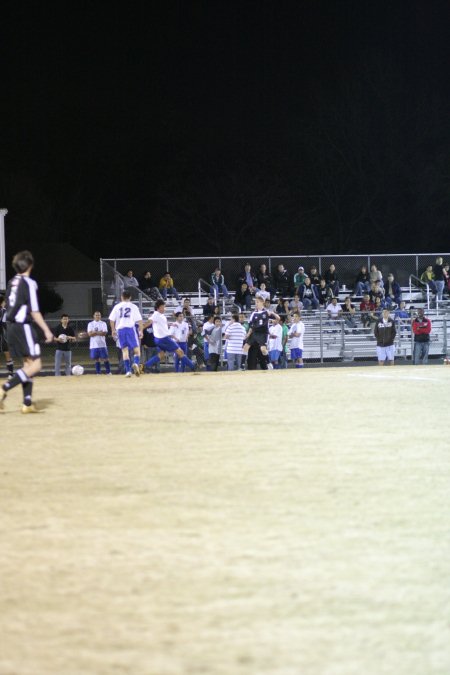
<point>98,353</point>
<point>258,339</point>
<point>127,337</point>
<point>296,353</point>
<point>183,346</point>
<point>22,341</point>
<point>166,344</point>
<point>386,353</point>
<point>274,354</point>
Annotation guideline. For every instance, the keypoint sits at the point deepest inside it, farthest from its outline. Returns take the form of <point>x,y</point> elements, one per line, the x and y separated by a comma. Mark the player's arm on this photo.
<point>112,323</point>
<point>141,329</point>
<point>39,320</point>
<point>274,315</point>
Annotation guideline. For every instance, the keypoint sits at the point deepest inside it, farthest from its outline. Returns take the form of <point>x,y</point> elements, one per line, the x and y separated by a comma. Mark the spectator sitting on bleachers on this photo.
<point>308,294</point>
<point>299,278</point>
<point>446,273</point>
<point>375,275</point>
<point>166,287</point>
<point>147,286</point>
<point>392,290</point>
<point>362,282</point>
<point>427,277</point>
<point>331,279</point>
<point>334,311</point>
<point>218,283</point>
<point>264,277</point>
<point>296,304</point>
<point>131,284</point>
<point>209,307</point>
<point>366,308</point>
<point>262,292</point>
<point>325,293</point>
<point>348,314</point>
<point>376,313</point>
<point>439,279</point>
<point>402,315</point>
<point>283,307</point>
<point>376,292</point>
<point>314,275</point>
<point>243,297</point>
<point>247,277</point>
<point>281,281</point>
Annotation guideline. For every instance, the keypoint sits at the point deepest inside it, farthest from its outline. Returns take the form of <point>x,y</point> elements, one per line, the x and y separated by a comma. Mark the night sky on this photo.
<point>207,128</point>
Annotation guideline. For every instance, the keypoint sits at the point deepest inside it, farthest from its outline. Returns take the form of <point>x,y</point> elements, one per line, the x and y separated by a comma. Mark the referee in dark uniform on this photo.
<point>22,307</point>
<point>257,335</point>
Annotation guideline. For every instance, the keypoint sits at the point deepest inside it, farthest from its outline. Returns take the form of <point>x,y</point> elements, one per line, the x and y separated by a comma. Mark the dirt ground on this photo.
<point>290,522</point>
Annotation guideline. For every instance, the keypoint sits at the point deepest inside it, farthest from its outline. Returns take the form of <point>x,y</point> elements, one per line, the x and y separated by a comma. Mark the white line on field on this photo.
<point>394,377</point>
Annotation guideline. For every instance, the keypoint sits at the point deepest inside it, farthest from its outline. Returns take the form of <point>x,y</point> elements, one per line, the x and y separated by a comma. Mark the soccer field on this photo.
<point>286,522</point>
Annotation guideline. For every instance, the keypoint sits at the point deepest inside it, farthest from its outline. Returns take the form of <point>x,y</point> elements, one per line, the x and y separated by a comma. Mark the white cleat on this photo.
<point>128,374</point>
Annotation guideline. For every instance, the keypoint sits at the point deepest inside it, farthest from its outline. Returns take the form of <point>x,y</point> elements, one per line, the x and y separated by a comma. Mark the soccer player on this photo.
<point>123,319</point>
<point>163,341</point>
<point>97,331</point>
<point>180,332</point>
<point>3,344</point>
<point>22,307</point>
<point>275,343</point>
<point>296,333</point>
<point>257,335</point>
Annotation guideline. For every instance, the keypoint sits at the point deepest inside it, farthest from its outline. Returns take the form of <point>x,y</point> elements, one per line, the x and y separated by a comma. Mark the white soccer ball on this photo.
<point>77,370</point>
<point>62,337</point>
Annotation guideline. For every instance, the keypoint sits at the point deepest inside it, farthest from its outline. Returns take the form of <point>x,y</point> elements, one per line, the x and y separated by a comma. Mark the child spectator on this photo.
<point>235,334</point>
<point>296,333</point>
<point>218,283</point>
<point>275,343</point>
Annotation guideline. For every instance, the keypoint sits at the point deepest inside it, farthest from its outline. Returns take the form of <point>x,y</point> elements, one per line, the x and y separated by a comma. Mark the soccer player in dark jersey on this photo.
<point>3,343</point>
<point>257,335</point>
<point>22,308</point>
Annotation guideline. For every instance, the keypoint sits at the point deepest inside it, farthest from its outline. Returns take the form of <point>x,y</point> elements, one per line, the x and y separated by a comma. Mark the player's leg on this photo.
<point>126,361</point>
<point>68,362</point>
<point>106,363</point>
<point>136,361</point>
<point>9,364</point>
<point>58,359</point>
<point>156,359</point>
<point>184,359</point>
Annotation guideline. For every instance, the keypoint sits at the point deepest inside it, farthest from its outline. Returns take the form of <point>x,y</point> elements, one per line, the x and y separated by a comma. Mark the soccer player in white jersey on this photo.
<point>22,309</point>
<point>163,341</point>
<point>296,333</point>
<point>123,319</point>
<point>180,332</point>
<point>97,331</point>
<point>275,342</point>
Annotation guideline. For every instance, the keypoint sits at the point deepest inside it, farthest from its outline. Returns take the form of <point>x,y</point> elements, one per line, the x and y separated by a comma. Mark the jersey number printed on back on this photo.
<point>125,312</point>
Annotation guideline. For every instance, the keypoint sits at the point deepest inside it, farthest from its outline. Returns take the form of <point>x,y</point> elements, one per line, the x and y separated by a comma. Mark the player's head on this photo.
<point>23,261</point>
<point>179,317</point>
<point>126,296</point>
<point>296,316</point>
<point>64,319</point>
<point>217,320</point>
<point>259,302</point>
<point>160,306</point>
<point>97,316</point>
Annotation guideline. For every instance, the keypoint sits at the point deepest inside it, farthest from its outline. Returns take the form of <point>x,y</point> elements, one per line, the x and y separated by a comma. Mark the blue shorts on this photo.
<point>386,353</point>
<point>296,353</point>
<point>274,354</point>
<point>166,344</point>
<point>98,353</point>
<point>128,338</point>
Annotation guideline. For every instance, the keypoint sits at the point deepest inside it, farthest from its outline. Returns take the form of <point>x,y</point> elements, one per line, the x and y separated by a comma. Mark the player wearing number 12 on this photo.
<point>123,319</point>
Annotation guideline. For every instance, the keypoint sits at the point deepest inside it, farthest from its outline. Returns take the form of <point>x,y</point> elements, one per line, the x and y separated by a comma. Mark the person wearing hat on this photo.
<point>299,278</point>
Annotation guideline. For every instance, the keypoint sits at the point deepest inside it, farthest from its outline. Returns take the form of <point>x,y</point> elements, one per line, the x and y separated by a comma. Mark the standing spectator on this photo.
<point>308,294</point>
<point>421,327</point>
<point>296,333</point>
<point>235,334</point>
<point>215,344</point>
<point>64,338</point>
<point>362,281</point>
<point>385,336</point>
<point>439,278</point>
<point>331,279</point>
<point>275,343</point>
<point>281,281</point>
<point>131,284</point>
<point>284,340</point>
<point>243,297</point>
<point>166,287</point>
<point>218,283</point>
<point>375,275</point>
<point>299,278</point>
<point>392,290</point>
<point>180,332</point>
<point>247,277</point>
<point>98,351</point>
<point>264,277</point>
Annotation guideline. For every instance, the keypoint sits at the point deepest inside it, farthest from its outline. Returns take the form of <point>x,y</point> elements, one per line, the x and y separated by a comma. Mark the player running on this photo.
<point>163,341</point>
<point>123,319</point>
<point>22,308</point>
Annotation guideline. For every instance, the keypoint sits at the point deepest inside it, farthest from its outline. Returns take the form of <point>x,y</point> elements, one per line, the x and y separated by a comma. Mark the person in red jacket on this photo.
<point>421,327</point>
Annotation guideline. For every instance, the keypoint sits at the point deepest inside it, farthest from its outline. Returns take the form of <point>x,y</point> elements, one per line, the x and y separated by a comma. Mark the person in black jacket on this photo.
<point>385,336</point>
<point>281,281</point>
